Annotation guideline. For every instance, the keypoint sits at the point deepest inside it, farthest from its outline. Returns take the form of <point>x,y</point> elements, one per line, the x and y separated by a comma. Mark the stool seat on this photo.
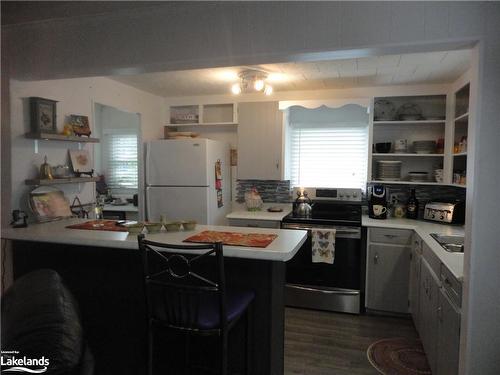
<point>237,302</point>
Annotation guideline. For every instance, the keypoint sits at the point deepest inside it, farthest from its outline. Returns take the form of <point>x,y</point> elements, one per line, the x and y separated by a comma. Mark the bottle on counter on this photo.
<point>412,206</point>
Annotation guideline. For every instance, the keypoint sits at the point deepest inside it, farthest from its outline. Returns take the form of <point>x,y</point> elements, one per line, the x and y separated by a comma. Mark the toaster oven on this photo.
<point>445,212</point>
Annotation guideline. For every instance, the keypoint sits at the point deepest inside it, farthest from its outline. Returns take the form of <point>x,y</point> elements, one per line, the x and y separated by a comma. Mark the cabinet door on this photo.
<point>449,336</point>
<point>387,278</point>
<point>260,141</point>
<point>414,287</point>
<point>428,318</point>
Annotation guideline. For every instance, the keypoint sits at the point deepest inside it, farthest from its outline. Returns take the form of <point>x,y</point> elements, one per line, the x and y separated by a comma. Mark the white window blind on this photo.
<point>334,156</point>
<point>121,161</point>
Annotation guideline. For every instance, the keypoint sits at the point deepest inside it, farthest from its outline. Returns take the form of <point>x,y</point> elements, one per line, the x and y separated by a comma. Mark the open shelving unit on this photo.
<point>223,114</point>
<point>460,129</point>
<point>432,126</point>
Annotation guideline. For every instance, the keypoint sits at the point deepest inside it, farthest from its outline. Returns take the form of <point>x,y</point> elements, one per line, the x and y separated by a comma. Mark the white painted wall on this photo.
<point>196,35</point>
<point>75,96</point>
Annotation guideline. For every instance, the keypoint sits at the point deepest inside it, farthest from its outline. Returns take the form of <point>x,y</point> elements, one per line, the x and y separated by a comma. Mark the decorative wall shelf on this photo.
<point>58,181</point>
<point>60,137</point>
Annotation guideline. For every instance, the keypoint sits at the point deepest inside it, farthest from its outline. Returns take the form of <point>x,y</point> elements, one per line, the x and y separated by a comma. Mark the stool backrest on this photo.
<point>181,280</point>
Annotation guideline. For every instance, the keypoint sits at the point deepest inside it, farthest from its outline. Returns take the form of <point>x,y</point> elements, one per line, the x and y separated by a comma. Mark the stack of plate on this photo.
<point>389,170</point>
<point>424,147</point>
<point>418,176</point>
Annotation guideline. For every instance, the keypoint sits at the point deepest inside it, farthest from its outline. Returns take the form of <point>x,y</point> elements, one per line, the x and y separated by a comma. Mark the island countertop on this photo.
<point>283,248</point>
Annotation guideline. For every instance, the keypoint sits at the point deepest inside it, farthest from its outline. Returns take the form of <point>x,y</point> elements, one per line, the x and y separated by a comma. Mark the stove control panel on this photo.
<point>333,194</point>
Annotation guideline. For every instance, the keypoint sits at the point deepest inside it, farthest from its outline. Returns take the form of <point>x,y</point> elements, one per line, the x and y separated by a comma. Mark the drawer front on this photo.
<point>391,236</point>
<point>451,285</point>
<point>254,223</point>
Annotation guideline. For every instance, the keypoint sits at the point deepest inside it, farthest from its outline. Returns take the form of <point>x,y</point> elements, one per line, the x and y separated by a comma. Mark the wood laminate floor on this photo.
<point>326,343</point>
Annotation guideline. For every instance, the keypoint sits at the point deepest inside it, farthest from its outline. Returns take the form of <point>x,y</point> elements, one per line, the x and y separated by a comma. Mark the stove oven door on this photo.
<point>334,287</point>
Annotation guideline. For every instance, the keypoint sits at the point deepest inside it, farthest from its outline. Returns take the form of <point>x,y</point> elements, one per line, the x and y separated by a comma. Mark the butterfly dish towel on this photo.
<point>323,245</point>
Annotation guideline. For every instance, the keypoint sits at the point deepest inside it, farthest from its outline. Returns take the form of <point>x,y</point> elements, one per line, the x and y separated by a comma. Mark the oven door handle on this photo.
<point>324,291</point>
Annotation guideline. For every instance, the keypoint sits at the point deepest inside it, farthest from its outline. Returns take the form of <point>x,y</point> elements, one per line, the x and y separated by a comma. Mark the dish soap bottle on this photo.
<point>412,206</point>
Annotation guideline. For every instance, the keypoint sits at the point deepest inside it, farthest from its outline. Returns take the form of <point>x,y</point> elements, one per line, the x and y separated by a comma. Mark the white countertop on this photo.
<point>453,261</point>
<point>123,208</point>
<point>240,212</point>
<point>282,248</point>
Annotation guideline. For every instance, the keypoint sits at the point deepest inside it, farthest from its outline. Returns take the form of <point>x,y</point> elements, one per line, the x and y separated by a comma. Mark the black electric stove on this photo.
<point>325,286</point>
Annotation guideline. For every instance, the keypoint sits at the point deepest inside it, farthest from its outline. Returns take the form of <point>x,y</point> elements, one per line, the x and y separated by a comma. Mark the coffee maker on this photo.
<point>377,205</point>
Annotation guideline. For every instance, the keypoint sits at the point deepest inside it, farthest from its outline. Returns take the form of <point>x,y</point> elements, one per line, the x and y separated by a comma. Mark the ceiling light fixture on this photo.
<point>252,81</point>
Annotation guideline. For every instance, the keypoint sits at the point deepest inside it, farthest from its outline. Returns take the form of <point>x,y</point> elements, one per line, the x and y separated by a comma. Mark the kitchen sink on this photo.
<point>452,244</point>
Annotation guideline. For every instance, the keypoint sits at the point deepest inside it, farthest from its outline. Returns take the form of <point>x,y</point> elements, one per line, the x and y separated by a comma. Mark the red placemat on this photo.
<point>232,238</point>
<point>109,225</point>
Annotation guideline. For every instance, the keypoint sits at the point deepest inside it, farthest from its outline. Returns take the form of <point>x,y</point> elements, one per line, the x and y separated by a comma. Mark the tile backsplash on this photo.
<point>271,191</point>
<point>424,193</point>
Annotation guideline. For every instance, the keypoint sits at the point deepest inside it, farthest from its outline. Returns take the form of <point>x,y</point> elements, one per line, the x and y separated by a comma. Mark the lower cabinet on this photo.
<point>449,335</point>
<point>387,278</point>
<point>438,323</point>
<point>414,284</point>
<point>404,275</point>
<point>427,318</point>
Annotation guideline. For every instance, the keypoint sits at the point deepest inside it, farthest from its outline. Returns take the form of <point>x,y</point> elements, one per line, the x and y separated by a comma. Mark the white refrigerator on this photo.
<point>181,180</point>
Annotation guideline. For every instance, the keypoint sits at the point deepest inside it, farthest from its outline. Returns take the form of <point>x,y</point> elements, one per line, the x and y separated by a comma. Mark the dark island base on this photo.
<point>108,285</point>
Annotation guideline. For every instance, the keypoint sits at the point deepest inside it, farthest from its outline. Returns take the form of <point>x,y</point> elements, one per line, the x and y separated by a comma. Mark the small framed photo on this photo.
<point>80,161</point>
<point>80,125</point>
<point>43,115</point>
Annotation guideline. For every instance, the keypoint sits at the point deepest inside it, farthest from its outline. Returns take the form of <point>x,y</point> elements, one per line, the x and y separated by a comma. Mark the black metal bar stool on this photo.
<point>186,291</point>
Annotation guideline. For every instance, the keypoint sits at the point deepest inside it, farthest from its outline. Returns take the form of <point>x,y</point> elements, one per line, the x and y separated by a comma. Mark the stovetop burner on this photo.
<point>330,213</point>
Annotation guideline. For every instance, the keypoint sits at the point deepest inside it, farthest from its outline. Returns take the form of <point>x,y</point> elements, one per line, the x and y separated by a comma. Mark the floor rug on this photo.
<point>398,356</point>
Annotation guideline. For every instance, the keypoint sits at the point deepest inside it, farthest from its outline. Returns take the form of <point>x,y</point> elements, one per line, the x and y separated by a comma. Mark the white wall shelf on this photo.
<point>403,182</point>
<point>60,137</point>
<point>202,124</point>
<point>405,155</point>
<point>460,154</point>
<point>57,181</point>
<point>409,122</point>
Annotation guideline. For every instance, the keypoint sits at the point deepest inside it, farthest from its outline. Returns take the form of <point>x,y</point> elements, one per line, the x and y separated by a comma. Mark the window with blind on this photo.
<point>121,161</point>
<point>328,147</point>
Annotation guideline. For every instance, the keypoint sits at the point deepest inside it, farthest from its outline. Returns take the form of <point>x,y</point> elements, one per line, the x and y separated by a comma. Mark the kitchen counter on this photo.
<point>104,271</point>
<point>282,248</point>
<point>240,212</point>
<point>453,261</point>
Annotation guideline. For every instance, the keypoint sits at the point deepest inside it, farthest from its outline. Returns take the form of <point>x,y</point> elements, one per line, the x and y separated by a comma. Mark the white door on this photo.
<point>177,162</point>
<point>177,203</point>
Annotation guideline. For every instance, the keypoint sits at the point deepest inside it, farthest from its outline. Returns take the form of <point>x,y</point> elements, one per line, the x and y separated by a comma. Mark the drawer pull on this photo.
<point>390,235</point>
<point>375,259</point>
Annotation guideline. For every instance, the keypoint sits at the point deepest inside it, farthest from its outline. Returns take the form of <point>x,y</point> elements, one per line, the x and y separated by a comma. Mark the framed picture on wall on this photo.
<point>43,115</point>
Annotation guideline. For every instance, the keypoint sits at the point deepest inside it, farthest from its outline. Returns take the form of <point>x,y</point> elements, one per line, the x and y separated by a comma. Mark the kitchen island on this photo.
<point>103,270</point>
